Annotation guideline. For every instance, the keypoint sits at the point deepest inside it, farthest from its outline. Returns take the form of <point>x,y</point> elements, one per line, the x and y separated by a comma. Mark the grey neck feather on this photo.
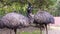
<point>30,16</point>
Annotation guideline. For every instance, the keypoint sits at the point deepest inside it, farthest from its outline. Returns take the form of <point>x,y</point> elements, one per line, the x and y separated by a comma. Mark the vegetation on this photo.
<point>7,6</point>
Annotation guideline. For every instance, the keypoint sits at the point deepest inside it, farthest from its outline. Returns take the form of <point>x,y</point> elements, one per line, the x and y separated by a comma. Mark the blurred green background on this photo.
<point>7,6</point>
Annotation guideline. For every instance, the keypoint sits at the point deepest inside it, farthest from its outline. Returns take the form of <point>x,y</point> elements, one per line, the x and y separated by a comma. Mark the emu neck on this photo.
<point>30,16</point>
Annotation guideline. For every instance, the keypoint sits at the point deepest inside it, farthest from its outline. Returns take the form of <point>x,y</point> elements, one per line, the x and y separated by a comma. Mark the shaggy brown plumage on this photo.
<point>43,18</point>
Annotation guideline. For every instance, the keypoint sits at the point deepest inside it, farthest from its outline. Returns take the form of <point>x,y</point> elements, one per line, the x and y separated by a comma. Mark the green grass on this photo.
<point>33,32</point>
<point>24,33</point>
<point>36,32</point>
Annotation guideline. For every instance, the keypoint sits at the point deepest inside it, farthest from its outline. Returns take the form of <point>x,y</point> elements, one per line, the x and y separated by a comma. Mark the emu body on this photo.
<point>43,18</point>
<point>14,21</point>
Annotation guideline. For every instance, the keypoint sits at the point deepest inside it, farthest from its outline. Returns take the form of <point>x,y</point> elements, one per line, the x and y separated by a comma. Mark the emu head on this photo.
<point>29,9</point>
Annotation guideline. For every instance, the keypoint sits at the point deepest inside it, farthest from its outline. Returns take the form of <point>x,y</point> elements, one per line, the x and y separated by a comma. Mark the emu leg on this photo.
<point>49,26</point>
<point>15,31</point>
<point>46,29</point>
<point>10,31</point>
<point>1,31</point>
<point>40,30</point>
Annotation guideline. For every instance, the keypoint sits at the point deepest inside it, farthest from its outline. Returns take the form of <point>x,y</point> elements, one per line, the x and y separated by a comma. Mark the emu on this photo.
<point>14,20</point>
<point>43,18</point>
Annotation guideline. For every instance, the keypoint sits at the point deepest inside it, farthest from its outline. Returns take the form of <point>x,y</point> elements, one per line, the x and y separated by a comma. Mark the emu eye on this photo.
<point>29,8</point>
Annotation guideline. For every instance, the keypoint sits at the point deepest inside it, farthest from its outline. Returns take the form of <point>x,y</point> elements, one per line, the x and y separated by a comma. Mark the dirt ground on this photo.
<point>30,29</point>
<point>8,31</point>
<point>54,32</point>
